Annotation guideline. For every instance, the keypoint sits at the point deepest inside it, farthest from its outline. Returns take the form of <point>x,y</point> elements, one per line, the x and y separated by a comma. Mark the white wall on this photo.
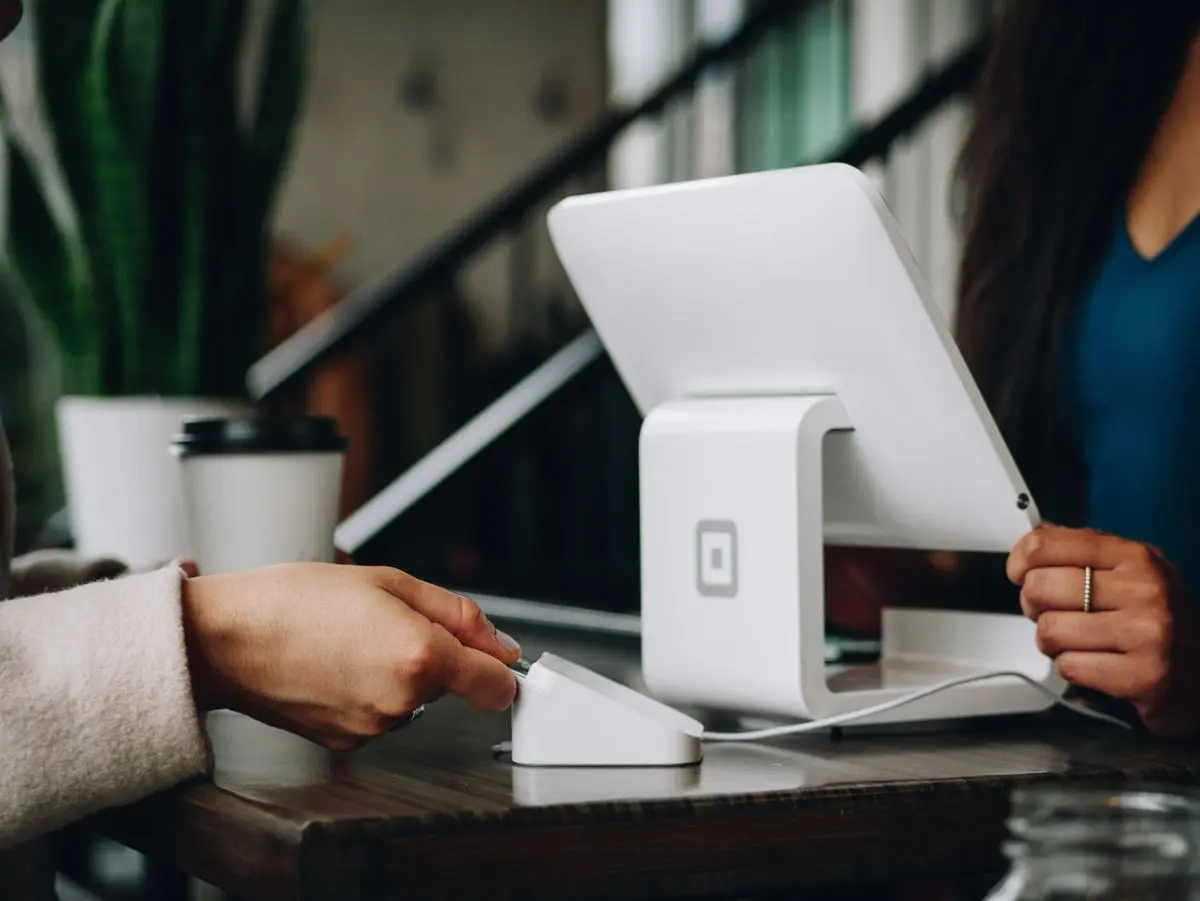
<point>648,40</point>
<point>715,125</point>
<point>952,24</point>
<point>894,41</point>
<point>395,178</point>
<point>645,44</point>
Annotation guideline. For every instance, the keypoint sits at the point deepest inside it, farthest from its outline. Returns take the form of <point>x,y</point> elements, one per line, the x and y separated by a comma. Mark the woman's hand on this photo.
<point>1141,642</point>
<point>339,654</point>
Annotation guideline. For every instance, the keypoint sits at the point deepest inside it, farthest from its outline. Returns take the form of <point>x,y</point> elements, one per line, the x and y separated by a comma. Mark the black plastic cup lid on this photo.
<point>259,435</point>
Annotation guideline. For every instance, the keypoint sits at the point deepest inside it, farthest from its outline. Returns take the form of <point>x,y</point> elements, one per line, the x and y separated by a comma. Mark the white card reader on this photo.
<point>567,715</point>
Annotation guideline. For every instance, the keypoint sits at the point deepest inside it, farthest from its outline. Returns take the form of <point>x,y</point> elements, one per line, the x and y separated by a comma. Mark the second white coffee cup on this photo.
<point>259,492</point>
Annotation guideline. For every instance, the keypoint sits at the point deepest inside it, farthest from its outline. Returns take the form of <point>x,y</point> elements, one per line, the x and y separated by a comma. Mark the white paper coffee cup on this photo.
<point>259,492</point>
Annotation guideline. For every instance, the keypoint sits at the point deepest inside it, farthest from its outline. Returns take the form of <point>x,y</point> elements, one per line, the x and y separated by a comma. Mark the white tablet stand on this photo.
<point>732,493</point>
<point>799,386</point>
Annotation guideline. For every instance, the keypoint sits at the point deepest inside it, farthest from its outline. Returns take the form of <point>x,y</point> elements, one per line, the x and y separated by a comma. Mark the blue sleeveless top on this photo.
<point>1134,378</point>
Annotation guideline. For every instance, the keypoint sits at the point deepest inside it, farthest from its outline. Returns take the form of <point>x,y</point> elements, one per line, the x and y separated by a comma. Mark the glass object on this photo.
<point>1069,843</point>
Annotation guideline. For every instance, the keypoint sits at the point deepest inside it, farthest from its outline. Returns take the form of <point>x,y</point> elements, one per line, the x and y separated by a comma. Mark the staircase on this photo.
<point>517,474</point>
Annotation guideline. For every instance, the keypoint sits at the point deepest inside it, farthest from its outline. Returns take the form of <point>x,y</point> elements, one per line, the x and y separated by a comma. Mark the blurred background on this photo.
<point>431,137</point>
<point>369,180</point>
<point>429,140</point>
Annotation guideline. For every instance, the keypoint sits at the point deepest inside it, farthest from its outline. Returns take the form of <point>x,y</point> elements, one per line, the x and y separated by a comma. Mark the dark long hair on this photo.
<point>1065,111</point>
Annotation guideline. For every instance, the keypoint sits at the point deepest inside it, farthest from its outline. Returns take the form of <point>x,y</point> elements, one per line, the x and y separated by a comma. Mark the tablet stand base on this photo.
<point>733,601</point>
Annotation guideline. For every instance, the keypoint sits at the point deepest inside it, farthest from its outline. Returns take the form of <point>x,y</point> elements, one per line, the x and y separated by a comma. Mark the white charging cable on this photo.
<point>854,715</point>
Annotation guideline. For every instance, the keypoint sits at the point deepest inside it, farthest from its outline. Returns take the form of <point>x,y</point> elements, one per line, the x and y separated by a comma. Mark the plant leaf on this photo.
<point>209,183</point>
<point>281,89</point>
<point>120,223</point>
<point>137,66</point>
<point>47,257</point>
<point>282,81</point>
<point>62,42</point>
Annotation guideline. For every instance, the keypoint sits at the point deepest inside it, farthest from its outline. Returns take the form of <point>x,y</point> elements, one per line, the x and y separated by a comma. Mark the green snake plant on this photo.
<point>143,243</point>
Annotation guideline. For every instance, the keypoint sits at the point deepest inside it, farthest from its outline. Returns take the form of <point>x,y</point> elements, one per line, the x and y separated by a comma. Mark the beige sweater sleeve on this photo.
<point>95,701</point>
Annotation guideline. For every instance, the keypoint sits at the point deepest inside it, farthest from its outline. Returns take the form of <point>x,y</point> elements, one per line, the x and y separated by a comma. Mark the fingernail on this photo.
<point>507,642</point>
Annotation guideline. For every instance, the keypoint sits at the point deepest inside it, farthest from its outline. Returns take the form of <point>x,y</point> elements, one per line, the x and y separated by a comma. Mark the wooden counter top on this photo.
<point>430,812</point>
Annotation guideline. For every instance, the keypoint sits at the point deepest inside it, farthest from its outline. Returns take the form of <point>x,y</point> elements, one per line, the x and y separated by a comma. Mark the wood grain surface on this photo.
<point>431,812</point>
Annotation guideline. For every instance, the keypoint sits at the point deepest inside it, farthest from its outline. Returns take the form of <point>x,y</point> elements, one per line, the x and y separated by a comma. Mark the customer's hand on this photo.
<point>1141,642</point>
<point>339,654</point>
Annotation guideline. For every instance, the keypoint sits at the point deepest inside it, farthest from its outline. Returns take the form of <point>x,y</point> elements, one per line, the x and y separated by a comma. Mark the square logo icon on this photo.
<point>716,559</point>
